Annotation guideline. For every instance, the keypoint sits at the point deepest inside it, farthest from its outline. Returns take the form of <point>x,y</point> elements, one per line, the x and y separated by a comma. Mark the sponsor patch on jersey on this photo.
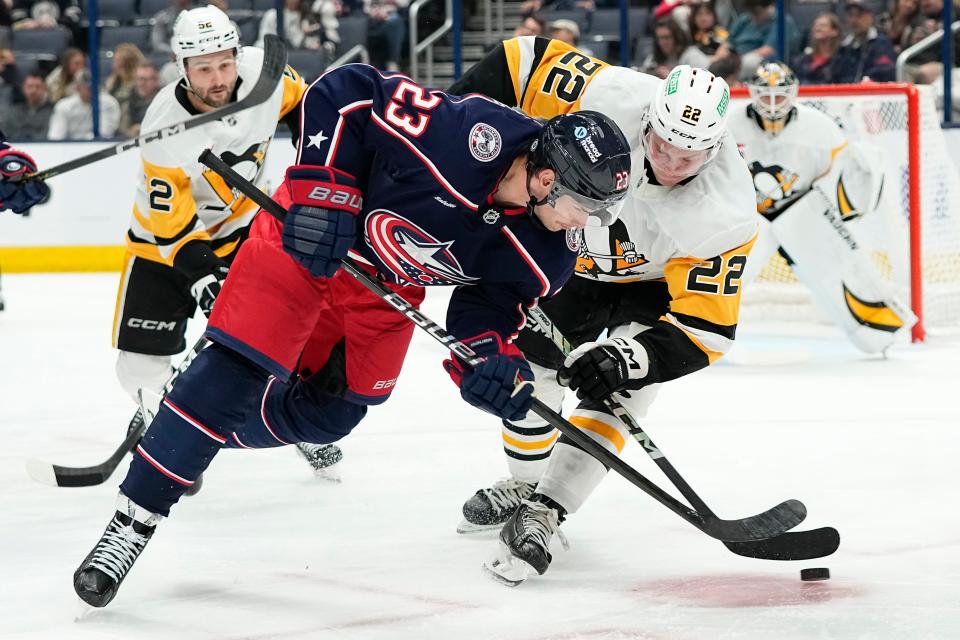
<point>573,239</point>
<point>410,253</point>
<point>485,142</point>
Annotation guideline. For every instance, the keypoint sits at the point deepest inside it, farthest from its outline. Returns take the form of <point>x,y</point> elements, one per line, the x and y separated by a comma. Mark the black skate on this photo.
<point>322,458</point>
<point>99,576</point>
<point>525,541</point>
<point>489,508</point>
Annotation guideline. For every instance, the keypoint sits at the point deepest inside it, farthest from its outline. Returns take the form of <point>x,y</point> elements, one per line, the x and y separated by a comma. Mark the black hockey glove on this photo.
<point>321,222</point>
<point>596,370</point>
<point>502,384</point>
<point>206,289</point>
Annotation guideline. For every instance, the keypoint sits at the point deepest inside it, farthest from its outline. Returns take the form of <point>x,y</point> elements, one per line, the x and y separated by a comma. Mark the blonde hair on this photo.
<point>126,58</point>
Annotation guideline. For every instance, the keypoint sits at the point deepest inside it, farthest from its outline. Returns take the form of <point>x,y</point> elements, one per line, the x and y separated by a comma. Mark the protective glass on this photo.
<point>587,211</point>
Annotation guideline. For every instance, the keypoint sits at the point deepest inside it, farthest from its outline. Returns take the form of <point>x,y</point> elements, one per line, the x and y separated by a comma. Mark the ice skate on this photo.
<point>489,508</point>
<point>525,541</point>
<point>99,576</point>
<point>322,458</point>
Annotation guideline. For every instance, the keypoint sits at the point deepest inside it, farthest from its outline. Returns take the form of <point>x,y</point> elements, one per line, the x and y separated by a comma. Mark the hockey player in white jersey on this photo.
<point>810,183</point>
<point>663,282</point>
<point>187,224</point>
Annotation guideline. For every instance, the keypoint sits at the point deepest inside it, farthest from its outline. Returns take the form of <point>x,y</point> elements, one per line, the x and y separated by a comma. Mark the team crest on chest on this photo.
<point>485,142</point>
<point>412,254</point>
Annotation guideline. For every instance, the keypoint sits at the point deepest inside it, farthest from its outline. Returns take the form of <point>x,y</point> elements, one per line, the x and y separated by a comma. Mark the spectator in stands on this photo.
<point>8,77</point>
<point>531,25</point>
<point>567,31</point>
<point>146,88</point>
<point>669,46</point>
<point>45,14</point>
<point>62,79</point>
<point>707,37</point>
<point>754,34</point>
<point>682,11</point>
<point>818,64</point>
<point>532,6</point>
<point>387,28</point>
<point>729,69</point>
<point>29,119</point>
<point>865,53</point>
<point>302,27</point>
<point>162,31</point>
<point>72,117</point>
<point>122,80</point>
<point>903,14</point>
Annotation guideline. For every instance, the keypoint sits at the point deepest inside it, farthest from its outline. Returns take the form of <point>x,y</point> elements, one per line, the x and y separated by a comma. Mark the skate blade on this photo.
<point>507,569</point>
<point>330,474</point>
<point>466,526</point>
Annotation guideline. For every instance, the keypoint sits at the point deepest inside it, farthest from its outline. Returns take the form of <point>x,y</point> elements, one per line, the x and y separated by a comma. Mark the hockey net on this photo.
<point>914,235</point>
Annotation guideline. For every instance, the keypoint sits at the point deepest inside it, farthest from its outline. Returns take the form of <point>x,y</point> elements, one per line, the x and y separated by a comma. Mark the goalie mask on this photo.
<point>685,124</point>
<point>773,91</point>
<point>201,31</point>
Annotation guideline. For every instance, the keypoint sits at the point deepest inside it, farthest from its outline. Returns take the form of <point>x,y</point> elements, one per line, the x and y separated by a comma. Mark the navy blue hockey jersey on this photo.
<point>427,165</point>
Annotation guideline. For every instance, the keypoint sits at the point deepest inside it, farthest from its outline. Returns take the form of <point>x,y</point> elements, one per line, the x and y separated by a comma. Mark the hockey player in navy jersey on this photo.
<point>16,193</point>
<point>421,188</point>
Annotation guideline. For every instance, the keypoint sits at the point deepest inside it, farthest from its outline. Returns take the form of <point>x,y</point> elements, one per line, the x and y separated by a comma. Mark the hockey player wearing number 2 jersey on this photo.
<point>663,281</point>
<point>811,186</point>
<point>424,190</point>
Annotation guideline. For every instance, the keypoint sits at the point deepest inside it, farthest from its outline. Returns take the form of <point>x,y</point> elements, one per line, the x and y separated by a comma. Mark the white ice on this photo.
<point>266,551</point>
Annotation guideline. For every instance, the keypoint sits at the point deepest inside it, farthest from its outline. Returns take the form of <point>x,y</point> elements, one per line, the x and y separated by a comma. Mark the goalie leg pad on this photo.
<point>839,273</point>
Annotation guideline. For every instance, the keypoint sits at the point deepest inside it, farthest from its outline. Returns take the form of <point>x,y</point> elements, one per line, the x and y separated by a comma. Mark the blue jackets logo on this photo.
<point>414,256</point>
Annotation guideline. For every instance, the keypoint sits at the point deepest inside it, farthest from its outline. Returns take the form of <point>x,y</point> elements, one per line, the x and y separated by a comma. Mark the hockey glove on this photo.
<point>206,289</point>
<point>502,384</point>
<point>321,221</point>
<point>596,370</point>
<point>16,193</point>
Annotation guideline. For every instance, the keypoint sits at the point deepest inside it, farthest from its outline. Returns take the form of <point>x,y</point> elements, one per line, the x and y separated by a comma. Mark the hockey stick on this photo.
<point>775,522</point>
<point>274,63</point>
<point>59,476</point>
<point>800,545</point>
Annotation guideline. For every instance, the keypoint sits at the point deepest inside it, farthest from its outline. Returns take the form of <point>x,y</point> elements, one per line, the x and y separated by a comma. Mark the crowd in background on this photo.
<point>854,42</point>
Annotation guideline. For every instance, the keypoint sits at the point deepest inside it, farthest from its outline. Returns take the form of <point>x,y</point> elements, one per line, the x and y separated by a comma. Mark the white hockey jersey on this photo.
<point>785,166</point>
<point>695,236</point>
<point>178,199</point>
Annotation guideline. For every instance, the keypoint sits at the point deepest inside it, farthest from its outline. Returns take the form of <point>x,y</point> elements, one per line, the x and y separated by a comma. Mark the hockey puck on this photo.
<point>811,575</point>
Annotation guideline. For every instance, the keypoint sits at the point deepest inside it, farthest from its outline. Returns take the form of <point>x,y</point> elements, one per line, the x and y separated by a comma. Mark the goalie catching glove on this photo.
<point>321,222</point>
<point>501,384</point>
<point>596,370</point>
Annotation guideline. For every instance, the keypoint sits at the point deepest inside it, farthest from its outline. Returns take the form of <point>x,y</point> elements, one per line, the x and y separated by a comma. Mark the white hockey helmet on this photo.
<point>773,91</point>
<point>200,31</point>
<point>690,108</point>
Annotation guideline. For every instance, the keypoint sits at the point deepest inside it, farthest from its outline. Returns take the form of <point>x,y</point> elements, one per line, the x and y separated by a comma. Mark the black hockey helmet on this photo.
<point>591,158</point>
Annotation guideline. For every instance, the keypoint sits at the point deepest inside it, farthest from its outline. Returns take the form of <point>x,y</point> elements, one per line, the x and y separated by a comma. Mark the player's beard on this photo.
<point>216,96</point>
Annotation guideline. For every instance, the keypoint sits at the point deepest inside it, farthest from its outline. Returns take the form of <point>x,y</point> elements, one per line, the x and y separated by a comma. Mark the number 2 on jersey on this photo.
<point>707,278</point>
<point>568,82</point>
<point>414,125</point>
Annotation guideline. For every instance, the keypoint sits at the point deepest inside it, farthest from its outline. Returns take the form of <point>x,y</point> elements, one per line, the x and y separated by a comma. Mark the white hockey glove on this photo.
<point>595,370</point>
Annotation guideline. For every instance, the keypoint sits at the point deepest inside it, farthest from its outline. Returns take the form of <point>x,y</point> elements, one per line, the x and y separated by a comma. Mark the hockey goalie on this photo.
<point>810,183</point>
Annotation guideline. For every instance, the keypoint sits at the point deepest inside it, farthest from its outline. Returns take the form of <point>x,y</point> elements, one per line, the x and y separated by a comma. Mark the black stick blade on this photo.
<point>793,545</point>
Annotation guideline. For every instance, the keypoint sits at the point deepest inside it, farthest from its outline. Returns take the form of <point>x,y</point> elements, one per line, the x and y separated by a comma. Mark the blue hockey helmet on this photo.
<point>591,159</point>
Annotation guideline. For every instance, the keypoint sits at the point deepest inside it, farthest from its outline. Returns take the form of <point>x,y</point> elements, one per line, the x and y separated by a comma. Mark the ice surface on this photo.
<point>267,551</point>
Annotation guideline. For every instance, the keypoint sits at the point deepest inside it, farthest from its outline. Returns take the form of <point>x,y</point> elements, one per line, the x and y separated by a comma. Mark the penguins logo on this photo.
<point>621,259</point>
<point>773,184</point>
